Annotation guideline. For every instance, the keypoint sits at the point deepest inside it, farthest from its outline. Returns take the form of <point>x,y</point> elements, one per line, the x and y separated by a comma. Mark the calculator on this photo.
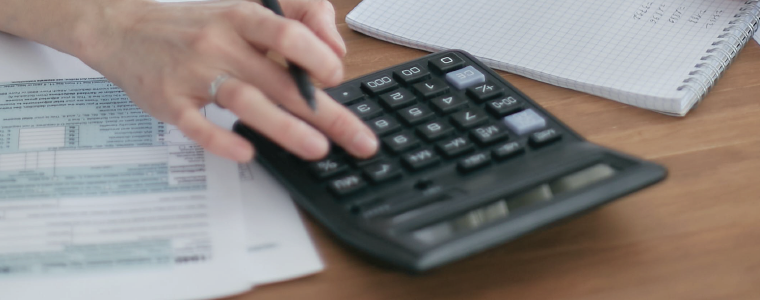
<point>467,163</point>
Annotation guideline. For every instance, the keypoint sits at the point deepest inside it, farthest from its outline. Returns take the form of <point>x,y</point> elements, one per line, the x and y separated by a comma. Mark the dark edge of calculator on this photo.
<point>642,175</point>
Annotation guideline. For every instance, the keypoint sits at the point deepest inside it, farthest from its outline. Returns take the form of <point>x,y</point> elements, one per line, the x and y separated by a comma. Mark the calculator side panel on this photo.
<point>638,175</point>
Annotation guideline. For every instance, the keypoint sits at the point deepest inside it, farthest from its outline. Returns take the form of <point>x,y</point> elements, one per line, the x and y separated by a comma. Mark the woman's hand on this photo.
<point>166,55</point>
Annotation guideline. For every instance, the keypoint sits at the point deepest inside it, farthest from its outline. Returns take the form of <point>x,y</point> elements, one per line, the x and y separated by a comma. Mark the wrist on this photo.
<point>66,25</point>
<point>92,32</point>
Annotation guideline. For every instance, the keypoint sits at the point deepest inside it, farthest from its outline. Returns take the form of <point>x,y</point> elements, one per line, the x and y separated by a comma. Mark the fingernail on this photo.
<point>342,45</point>
<point>241,152</point>
<point>336,35</point>
<point>338,75</point>
<point>364,144</point>
<point>314,146</point>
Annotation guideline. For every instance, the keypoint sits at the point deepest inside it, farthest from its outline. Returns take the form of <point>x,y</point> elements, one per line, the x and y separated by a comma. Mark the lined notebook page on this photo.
<point>636,52</point>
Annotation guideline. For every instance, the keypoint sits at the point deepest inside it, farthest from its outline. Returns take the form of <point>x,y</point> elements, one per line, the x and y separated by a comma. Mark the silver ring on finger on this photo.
<point>214,88</point>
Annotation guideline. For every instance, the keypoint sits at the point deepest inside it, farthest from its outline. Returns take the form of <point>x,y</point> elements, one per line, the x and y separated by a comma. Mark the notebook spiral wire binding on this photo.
<point>717,60</point>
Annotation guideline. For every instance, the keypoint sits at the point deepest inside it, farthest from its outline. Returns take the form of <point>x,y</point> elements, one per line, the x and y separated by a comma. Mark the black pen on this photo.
<point>298,74</point>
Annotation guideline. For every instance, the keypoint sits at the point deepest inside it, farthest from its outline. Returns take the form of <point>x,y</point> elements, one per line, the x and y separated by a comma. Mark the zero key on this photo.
<point>446,63</point>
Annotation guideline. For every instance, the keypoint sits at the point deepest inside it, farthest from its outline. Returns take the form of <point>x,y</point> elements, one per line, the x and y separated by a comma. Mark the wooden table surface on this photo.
<point>695,235</point>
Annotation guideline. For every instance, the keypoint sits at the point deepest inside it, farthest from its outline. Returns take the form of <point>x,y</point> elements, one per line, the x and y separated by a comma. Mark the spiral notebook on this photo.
<point>659,55</point>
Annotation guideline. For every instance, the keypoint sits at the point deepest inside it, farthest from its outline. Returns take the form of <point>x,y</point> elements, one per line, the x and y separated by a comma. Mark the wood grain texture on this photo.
<point>694,236</point>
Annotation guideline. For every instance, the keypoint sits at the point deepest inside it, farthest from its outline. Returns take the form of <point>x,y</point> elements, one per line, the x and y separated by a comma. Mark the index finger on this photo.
<point>338,123</point>
<point>215,139</point>
<point>319,15</point>
<point>292,39</point>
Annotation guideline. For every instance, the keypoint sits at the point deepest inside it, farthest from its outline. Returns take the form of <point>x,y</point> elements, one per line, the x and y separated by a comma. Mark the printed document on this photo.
<point>278,245</point>
<point>98,200</point>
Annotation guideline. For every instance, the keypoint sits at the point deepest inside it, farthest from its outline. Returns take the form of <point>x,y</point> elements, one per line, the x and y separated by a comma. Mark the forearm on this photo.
<point>66,25</point>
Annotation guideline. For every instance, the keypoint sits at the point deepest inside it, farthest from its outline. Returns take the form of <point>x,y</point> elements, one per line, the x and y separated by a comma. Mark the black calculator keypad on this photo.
<point>425,121</point>
<point>433,113</point>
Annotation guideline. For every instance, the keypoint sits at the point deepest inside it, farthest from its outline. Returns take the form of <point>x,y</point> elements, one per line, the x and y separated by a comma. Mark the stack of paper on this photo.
<point>100,201</point>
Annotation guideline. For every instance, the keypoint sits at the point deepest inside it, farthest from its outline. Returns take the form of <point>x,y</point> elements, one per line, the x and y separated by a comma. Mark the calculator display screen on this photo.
<point>500,209</point>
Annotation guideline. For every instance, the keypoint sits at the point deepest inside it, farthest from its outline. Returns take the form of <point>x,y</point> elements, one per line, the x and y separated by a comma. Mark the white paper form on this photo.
<point>757,36</point>
<point>279,247</point>
<point>24,60</point>
<point>98,200</point>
